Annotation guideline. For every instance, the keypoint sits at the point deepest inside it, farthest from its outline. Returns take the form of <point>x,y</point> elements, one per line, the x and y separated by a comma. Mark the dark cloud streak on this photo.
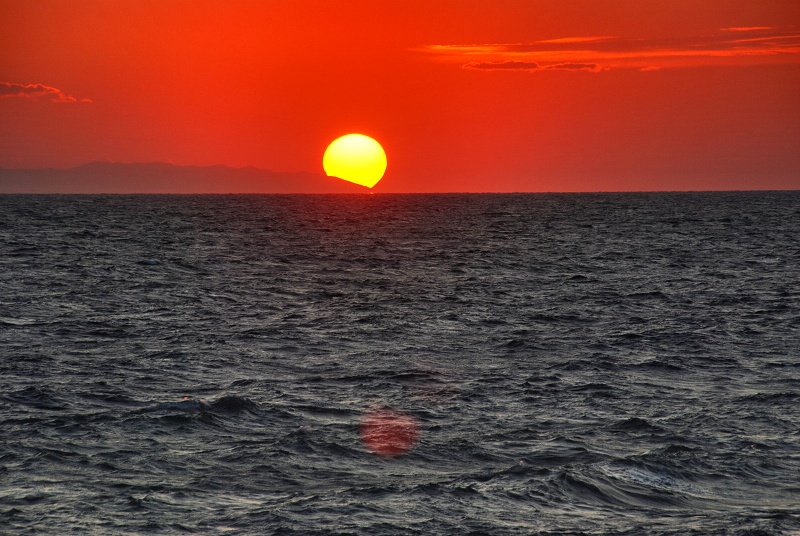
<point>36,91</point>
<point>591,67</point>
<point>503,65</point>
<point>530,66</point>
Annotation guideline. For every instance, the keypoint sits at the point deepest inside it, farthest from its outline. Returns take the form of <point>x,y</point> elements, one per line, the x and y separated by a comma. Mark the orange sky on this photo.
<point>464,95</point>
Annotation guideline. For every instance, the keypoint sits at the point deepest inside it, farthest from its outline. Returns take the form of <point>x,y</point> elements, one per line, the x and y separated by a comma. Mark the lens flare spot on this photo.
<point>388,432</point>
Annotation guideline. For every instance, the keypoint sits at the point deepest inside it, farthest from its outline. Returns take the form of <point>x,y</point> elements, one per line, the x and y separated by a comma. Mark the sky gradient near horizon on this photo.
<point>500,95</point>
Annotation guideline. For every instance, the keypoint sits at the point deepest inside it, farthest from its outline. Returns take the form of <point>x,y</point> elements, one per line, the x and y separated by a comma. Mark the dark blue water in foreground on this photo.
<point>598,364</point>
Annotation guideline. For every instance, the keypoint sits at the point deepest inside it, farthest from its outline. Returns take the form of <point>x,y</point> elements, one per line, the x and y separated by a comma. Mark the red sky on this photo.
<point>464,95</point>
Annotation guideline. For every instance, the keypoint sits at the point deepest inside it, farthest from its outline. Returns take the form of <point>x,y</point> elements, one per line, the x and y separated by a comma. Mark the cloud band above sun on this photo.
<point>36,91</point>
<point>756,45</point>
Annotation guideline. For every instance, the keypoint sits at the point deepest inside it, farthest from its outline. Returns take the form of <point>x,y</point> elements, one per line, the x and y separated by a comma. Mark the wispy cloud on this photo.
<point>36,91</point>
<point>590,39</point>
<point>753,45</point>
<point>748,29</point>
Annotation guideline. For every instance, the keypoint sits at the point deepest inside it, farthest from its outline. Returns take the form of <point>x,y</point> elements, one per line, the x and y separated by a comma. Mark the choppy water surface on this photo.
<point>599,364</point>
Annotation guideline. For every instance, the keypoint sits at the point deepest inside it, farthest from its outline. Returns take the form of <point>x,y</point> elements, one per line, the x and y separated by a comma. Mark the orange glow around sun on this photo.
<point>477,96</point>
<point>355,158</point>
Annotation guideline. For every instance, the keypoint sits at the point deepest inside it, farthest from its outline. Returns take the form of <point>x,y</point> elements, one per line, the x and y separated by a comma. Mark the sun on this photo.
<point>356,158</point>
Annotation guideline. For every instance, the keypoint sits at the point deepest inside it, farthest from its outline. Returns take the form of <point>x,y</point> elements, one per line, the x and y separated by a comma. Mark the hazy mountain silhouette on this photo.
<point>162,178</point>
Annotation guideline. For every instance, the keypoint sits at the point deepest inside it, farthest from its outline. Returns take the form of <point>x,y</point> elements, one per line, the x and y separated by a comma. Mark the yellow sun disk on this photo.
<point>355,158</point>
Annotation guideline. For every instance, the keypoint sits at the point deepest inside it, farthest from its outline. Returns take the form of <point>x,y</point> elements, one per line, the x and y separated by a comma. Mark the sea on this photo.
<point>610,363</point>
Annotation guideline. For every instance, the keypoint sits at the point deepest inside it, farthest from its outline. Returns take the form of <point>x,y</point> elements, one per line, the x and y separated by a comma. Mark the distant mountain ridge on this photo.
<point>164,178</point>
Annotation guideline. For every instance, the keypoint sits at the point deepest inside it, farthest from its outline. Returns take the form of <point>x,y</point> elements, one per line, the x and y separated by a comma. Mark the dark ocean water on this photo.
<point>577,364</point>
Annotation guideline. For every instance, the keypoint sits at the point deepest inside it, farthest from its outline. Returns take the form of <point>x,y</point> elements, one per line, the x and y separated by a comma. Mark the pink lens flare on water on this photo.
<point>388,432</point>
